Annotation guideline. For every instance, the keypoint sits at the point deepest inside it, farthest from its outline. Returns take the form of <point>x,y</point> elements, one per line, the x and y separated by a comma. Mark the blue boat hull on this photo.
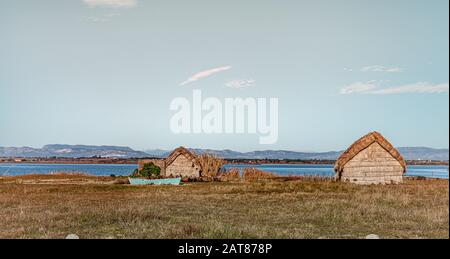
<point>167,181</point>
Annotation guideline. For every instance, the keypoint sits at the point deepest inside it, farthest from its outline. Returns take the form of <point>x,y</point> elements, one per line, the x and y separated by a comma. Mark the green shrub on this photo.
<point>148,171</point>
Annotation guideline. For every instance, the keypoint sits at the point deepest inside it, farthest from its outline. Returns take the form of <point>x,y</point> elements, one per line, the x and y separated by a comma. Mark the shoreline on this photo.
<point>134,161</point>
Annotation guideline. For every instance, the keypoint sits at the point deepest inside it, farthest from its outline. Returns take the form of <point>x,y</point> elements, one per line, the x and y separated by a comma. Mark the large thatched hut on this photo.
<point>181,162</point>
<point>370,160</point>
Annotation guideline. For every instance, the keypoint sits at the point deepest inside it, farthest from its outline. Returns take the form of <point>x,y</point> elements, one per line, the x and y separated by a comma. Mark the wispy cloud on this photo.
<point>372,87</point>
<point>111,3</point>
<point>109,15</point>
<point>204,74</point>
<point>378,68</point>
<point>241,83</point>
<point>97,19</point>
<point>359,87</point>
<point>415,88</point>
<point>103,18</point>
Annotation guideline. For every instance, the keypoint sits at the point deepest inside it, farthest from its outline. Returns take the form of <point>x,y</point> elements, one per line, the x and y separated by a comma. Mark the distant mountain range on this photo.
<point>423,153</point>
<point>409,153</point>
<point>71,151</point>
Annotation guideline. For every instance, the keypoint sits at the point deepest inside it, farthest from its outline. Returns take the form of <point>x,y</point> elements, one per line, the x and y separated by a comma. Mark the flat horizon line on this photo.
<point>213,149</point>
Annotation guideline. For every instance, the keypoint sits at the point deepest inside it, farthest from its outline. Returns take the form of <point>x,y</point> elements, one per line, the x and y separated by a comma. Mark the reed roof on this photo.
<point>362,144</point>
<point>182,151</point>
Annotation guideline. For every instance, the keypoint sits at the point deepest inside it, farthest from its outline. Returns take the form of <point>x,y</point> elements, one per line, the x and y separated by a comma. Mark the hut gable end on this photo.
<point>181,162</point>
<point>370,160</point>
<point>181,151</point>
<point>364,143</point>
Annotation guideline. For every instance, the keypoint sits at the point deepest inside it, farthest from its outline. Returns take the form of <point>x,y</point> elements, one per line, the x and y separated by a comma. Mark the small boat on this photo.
<point>165,181</point>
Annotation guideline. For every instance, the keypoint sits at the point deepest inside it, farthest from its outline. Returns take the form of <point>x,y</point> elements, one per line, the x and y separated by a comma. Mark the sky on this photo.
<point>104,72</point>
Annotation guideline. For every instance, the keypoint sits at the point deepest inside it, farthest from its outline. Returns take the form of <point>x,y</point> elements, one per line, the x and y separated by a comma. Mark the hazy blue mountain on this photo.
<point>409,153</point>
<point>423,153</point>
<point>71,151</point>
<point>269,154</point>
<point>21,152</point>
<point>157,153</point>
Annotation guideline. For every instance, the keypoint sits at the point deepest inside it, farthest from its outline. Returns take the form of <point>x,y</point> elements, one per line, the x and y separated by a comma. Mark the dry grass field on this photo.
<point>94,207</point>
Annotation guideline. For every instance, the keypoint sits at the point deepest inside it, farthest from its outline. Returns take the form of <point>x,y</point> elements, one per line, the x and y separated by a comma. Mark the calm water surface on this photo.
<point>432,171</point>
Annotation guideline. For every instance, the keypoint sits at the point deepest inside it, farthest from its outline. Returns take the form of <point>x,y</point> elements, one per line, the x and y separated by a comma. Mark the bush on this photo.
<point>148,171</point>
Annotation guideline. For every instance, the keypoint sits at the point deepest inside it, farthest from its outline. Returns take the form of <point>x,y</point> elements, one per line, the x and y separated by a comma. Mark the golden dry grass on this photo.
<point>93,207</point>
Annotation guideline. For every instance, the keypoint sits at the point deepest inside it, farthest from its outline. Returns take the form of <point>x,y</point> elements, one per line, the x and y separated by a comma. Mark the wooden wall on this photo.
<point>373,165</point>
<point>183,167</point>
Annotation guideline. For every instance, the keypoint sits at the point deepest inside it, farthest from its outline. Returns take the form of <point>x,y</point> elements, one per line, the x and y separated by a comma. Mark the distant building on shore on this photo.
<point>371,160</point>
<point>180,163</point>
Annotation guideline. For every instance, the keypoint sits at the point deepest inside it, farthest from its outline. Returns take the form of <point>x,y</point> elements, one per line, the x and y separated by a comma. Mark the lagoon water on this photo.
<point>432,171</point>
<point>91,169</point>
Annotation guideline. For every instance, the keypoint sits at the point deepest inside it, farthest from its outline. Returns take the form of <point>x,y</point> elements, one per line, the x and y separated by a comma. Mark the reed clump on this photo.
<point>211,165</point>
<point>248,175</point>
<point>253,174</point>
<point>232,174</point>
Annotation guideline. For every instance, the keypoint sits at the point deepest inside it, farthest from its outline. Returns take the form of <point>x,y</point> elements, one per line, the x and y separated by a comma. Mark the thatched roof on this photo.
<point>182,151</point>
<point>362,144</point>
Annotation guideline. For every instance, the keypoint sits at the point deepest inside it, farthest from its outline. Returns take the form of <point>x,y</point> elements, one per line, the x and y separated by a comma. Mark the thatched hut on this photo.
<point>181,162</point>
<point>370,160</point>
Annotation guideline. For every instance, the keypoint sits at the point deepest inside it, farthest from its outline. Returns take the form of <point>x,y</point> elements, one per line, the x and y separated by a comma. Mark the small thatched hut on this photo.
<point>370,160</point>
<point>181,162</point>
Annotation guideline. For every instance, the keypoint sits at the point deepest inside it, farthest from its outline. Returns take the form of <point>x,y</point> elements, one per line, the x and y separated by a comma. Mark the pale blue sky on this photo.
<point>104,72</point>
